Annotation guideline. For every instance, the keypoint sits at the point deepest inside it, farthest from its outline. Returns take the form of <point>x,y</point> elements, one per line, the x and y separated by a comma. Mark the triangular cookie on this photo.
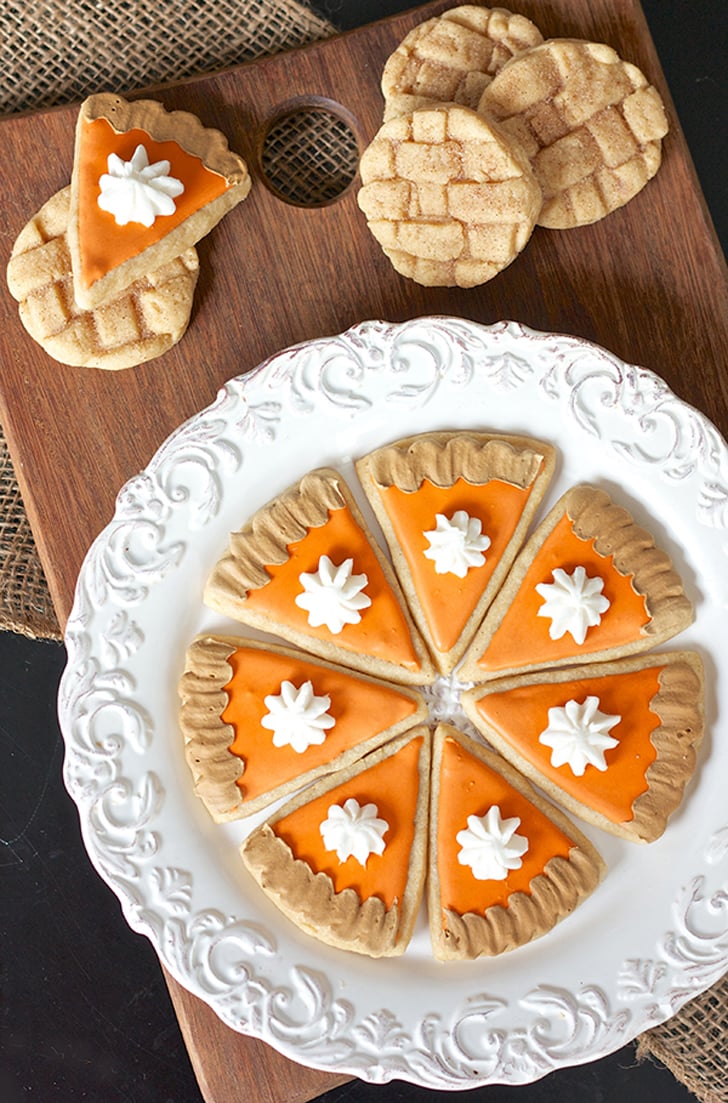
<point>345,860</point>
<point>505,866</point>
<point>184,180</point>
<point>305,569</point>
<point>261,721</point>
<point>589,584</point>
<point>454,509</point>
<point>613,742</point>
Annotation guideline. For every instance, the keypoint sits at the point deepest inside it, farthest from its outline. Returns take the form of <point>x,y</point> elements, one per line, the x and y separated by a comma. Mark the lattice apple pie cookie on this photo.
<point>452,57</point>
<point>489,130</point>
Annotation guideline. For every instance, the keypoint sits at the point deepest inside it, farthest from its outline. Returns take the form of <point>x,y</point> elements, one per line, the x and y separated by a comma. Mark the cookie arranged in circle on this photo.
<point>454,508</point>
<point>260,720</point>
<point>140,323</point>
<point>615,743</point>
<point>346,859</point>
<point>306,567</point>
<point>589,585</point>
<point>505,865</point>
<point>453,57</point>
<point>449,199</point>
<point>590,123</point>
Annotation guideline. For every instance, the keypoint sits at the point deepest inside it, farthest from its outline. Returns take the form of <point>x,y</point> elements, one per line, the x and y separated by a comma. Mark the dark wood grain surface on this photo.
<point>649,282</point>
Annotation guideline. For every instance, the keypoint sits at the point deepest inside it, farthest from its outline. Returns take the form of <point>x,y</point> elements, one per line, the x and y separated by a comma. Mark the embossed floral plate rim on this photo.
<point>654,933</point>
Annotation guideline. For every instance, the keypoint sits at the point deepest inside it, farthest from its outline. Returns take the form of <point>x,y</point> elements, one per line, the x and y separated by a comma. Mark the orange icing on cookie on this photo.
<point>523,637</point>
<point>393,785</point>
<point>103,244</point>
<point>447,601</point>
<point>521,714</point>
<point>359,708</point>
<point>469,788</point>
<point>382,630</point>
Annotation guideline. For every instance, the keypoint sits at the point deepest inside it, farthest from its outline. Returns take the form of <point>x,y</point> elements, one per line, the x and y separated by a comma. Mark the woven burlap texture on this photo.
<point>58,51</point>
<point>694,1044</point>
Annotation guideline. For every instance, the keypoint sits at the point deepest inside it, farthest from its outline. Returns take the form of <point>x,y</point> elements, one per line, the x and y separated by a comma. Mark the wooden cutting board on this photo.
<point>649,283</point>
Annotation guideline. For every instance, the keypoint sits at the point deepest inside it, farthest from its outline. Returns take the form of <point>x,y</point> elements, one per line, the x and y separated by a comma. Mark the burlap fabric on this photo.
<point>57,51</point>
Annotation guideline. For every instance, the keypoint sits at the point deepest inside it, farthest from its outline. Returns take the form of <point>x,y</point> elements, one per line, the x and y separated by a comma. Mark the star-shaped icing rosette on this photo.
<point>297,716</point>
<point>573,602</point>
<point>137,191</point>
<point>490,846</point>
<point>578,735</point>
<point>333,595</point>
<point>457,543</point>
<point>353,830</point>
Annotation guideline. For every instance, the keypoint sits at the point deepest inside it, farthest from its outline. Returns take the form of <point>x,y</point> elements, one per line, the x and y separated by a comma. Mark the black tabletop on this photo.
<point>84,1008</point>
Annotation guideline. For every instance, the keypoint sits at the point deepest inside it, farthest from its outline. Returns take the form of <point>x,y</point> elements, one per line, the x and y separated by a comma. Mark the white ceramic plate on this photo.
<point>654,933</point>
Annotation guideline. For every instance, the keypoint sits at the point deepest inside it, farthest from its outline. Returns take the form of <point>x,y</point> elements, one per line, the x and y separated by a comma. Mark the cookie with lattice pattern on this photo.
<point>447,196</point>
<point>591,124</point>
<point>142,322</point>
<point>453,57</point>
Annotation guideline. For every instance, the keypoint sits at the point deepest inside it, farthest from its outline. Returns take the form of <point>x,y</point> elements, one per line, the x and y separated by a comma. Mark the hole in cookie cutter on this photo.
<point>309,153</point>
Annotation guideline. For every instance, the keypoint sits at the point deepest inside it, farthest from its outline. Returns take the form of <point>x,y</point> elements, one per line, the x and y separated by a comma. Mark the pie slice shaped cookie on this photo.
<point>147,184</point>
<point>454,509</point>
<point>305,569</point>
<point>505,866</point>
<point>261,721</point>
<point>590,584</point>
<point>346,859</point>
<point>614,742</point>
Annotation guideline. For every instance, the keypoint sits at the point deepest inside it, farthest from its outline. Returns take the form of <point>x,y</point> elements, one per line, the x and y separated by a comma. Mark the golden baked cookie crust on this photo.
<point>453,57</point>
<point>138,324</point>
<point>450,201</point>
<point>590,123</point>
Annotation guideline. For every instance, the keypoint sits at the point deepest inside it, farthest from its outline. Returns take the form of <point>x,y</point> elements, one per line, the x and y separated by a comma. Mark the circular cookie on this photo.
<point>590,123</point>
<point>452,57</point>
<point>142,322</point>
<point>447,197</point>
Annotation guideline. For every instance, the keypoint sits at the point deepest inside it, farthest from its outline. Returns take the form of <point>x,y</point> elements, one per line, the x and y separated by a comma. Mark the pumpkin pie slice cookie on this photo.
<point>346,859</point>
<point>505,865</point>
<point>453,57</point>
<point>260,721</point>
<point>613,742</point>
<point>305,569</point>
<point>454,509</point>
<point>147,184</point>
<point>589,585</point>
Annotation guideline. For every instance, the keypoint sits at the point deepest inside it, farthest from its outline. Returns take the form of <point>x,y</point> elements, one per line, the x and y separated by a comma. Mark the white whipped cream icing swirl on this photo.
<point>332,595</point>
<point>578,735</point>
<point>490,846</point>
<point>574,602</point>
<point>135,191</point>
<point>456,543</point>
<point>354,831</point>
<point>297,717</point>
